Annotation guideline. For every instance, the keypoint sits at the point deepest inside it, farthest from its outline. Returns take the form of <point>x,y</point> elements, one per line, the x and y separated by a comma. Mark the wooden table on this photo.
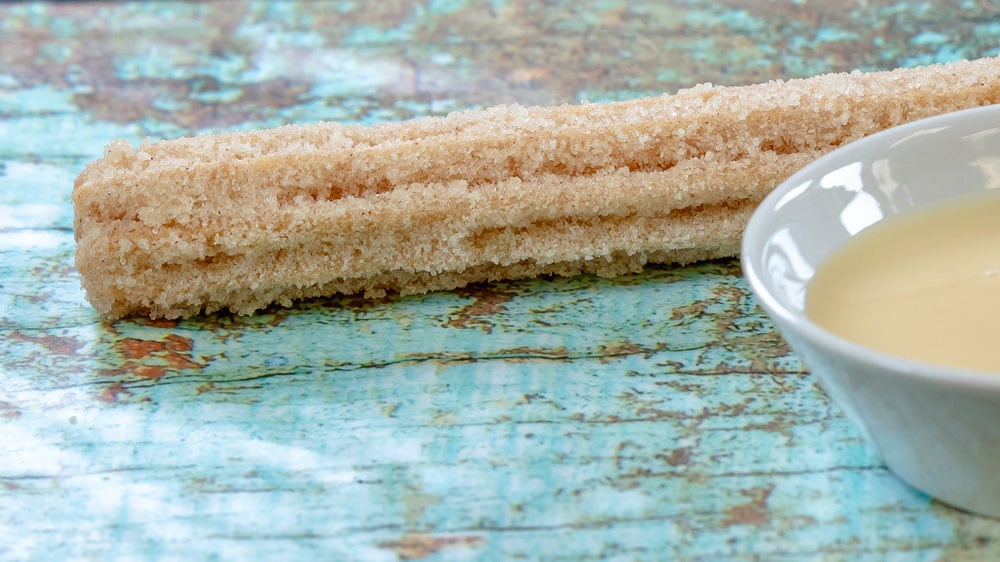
<point>655,416</point>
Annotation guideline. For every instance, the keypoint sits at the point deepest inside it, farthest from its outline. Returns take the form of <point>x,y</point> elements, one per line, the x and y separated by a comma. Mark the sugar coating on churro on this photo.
<point>242,220</point>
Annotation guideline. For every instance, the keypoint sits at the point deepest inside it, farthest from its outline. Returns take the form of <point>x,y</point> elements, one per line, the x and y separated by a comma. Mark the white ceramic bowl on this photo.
<point>936,427</point>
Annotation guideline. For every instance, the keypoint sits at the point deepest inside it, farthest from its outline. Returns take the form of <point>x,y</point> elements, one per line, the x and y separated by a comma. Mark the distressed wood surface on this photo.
<point>655,416</point>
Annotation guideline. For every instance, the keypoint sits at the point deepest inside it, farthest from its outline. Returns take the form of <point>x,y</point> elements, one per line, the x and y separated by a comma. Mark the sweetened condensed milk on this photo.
<point>923,285</point>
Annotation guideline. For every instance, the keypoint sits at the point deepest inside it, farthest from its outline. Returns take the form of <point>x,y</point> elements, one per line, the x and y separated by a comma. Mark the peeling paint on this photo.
<point>420,546</point>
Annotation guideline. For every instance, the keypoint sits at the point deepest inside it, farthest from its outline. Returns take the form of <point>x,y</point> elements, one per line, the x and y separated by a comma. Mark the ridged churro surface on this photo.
<point>242,220</point>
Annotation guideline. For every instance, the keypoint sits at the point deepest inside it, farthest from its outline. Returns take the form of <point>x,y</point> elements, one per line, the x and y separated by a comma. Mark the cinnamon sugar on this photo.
<point>242,220</point>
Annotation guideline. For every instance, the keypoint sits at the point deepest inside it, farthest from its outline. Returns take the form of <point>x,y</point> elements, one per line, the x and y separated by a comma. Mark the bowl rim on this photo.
<point>802,325</point>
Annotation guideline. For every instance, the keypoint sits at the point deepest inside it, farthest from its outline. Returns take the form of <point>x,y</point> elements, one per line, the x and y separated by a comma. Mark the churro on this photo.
<point>243,220</point>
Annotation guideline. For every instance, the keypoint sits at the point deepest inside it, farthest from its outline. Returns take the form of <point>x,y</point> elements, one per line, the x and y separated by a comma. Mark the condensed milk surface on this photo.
<point>924,285</point>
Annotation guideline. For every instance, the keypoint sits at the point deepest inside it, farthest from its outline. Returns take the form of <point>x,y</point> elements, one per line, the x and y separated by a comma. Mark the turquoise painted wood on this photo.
<point>656,416</point>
